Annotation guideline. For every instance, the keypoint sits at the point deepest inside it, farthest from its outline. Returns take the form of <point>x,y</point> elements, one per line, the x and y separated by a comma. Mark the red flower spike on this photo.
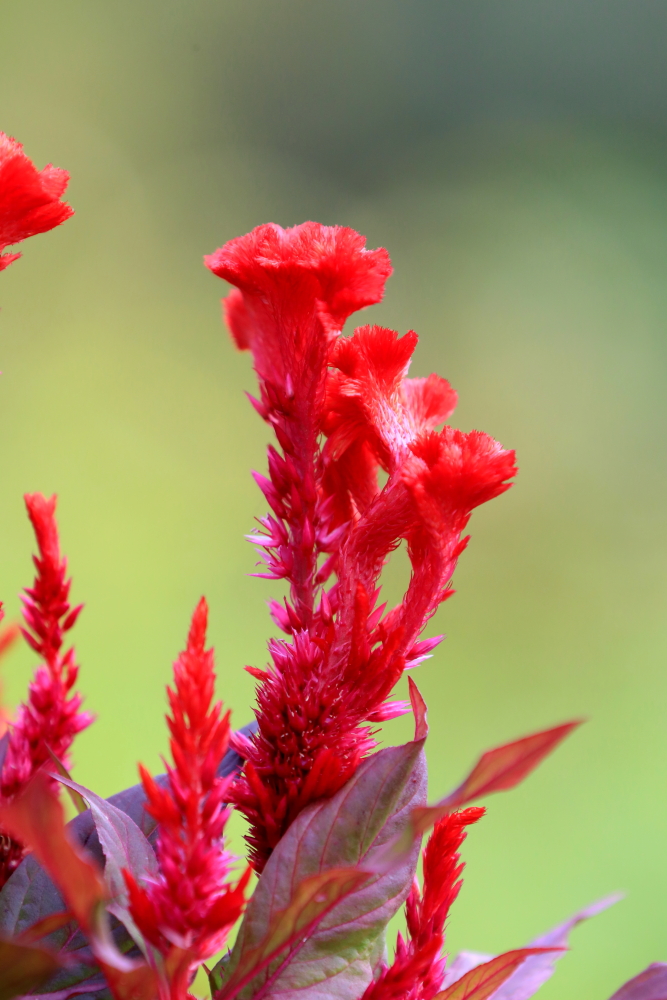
<point>188,912</point>
<point>29,198</point>
<point>8,636</point>
<point>341,408</point>
<point>370,397</point>
<point>418,970</point>
<point>50,719</point>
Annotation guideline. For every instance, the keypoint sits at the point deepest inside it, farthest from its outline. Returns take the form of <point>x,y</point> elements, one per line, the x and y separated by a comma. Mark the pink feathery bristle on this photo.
<point>191,816</point>
<point>29,198</point>
<point>342,409</point>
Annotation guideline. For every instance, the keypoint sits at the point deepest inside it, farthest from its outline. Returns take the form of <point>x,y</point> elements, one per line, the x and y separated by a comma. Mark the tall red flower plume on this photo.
<point>418,969</point>
<point>188,912</point>
<point>341,409</point>
<point>29,198</point>
<point>48,721</point>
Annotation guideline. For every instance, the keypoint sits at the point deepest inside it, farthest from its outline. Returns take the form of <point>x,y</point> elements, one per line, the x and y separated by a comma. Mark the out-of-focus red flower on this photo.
<point>29,198</point>
<point>190,909</point>
<point>418,969</point>
<point>342,409</point>
<point>51,717</point>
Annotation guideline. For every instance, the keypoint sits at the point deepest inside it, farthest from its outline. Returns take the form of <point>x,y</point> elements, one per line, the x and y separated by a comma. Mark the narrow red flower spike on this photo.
<point>418,970</point>
<point>29,198</point>
<point>188,912</point>
<point>342,409</point>
<point>50,719</point>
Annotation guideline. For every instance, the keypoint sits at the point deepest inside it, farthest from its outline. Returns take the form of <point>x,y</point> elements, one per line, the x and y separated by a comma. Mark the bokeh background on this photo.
<point>513,159</point>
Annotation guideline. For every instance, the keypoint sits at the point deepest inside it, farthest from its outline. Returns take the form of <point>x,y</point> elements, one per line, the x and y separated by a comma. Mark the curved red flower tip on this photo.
<point>457,471</point>
<point>29,198</point>
<point>334,261</point>
<point>369,398</point>
<point>373,413</point>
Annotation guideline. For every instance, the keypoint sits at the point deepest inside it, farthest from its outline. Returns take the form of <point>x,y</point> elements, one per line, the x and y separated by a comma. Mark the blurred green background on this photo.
<point>512,157</point>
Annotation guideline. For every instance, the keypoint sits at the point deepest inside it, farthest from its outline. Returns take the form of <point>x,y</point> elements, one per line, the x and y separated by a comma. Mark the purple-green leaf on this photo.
<point>311,901</point>
<point>651,984</point>
<point>124,846</point>
<point>348,831</point>
<point>534,971</point>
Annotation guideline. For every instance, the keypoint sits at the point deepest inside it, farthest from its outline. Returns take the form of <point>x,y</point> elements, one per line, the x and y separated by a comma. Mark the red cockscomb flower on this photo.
<point>29,198</point>
<point>341,409</point>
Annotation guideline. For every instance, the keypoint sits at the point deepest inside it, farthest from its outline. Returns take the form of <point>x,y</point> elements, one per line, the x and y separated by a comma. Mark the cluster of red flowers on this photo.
<point>342,409</point>
<point>359,468</point>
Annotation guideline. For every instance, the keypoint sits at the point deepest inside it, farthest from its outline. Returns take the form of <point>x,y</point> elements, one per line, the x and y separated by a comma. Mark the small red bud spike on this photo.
<point>29,198</point>
<point>418,970</point>
<point>50,719</point>
<point>192,906</point>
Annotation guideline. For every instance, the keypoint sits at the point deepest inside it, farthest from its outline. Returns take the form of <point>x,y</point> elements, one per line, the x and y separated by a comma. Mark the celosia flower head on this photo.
<point>30,199</point>
<point>342,408</point>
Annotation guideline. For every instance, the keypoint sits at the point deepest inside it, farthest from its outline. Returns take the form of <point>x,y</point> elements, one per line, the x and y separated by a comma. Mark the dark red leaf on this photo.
<point>504,767</point>
<point>23,969</point>
<point>419,710</point>
<point>531,975</point>
<point>497,770</point>
<point>125,848</point>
